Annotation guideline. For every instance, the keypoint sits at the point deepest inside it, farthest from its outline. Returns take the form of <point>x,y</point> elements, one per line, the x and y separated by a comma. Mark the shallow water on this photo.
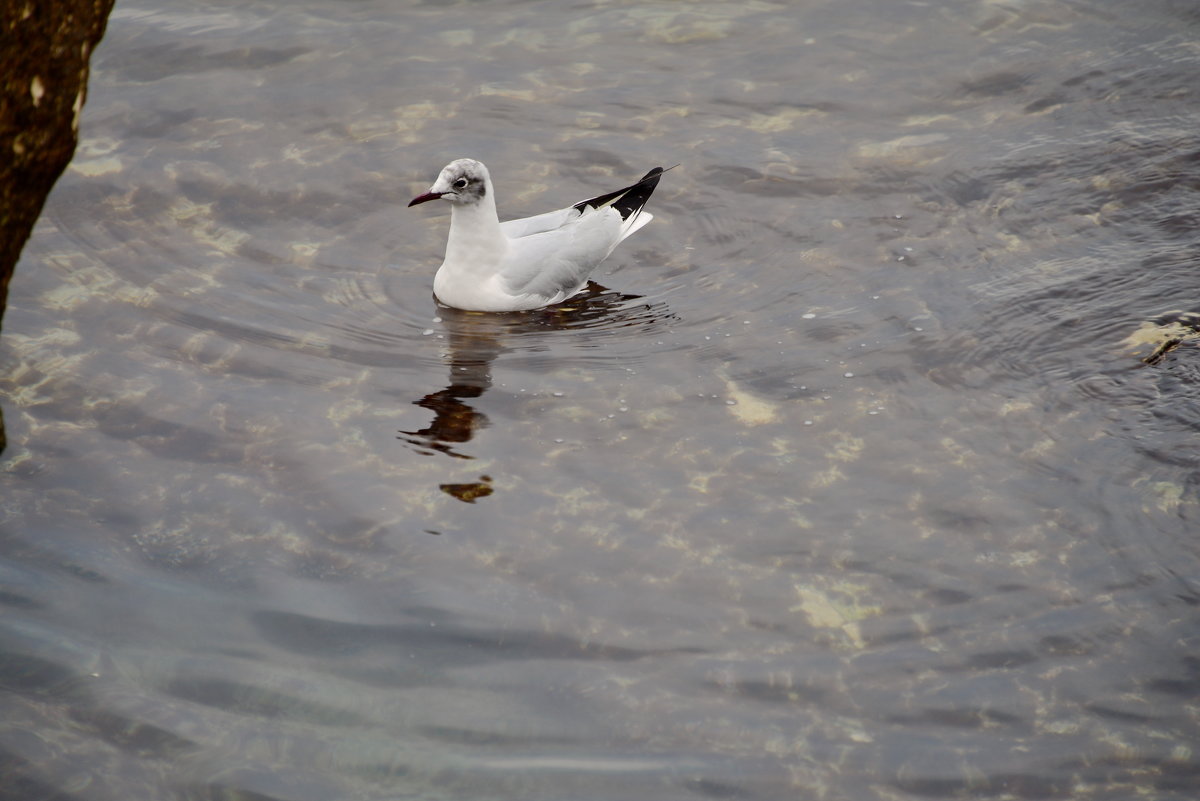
<point>844,483</point>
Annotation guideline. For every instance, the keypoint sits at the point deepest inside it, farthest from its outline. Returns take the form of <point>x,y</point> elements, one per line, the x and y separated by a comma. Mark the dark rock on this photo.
<point>44,52</point>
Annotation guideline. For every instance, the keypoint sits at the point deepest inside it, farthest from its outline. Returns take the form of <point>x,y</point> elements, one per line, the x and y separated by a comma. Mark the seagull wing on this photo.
<point>540,223</point>
<point>556,263</point>
<point>628,202</point>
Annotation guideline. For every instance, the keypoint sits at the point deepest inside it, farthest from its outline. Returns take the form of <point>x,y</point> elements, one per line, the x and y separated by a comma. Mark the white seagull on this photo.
<point>530,263</point>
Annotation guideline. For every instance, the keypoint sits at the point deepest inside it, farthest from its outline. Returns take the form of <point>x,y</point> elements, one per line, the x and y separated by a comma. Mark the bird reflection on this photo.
<point>475,339</point>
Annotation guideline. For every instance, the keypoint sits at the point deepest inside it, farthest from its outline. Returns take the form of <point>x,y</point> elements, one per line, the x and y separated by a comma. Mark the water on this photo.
<point>844,484</point>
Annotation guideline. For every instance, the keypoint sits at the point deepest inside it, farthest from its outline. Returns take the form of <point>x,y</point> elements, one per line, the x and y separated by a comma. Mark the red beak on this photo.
<point>425,198</point>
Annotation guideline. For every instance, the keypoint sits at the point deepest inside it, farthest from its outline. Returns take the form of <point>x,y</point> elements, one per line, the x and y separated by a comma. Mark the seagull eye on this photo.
<point>461,183</point>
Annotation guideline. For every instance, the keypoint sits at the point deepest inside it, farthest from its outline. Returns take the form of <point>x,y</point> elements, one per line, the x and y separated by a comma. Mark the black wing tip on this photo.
<point>659,171</point>
<point>632,198</point>
<point>655,173</point>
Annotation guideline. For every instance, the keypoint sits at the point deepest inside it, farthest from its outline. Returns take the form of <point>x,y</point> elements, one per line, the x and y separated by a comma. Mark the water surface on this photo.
<point>846,481</point>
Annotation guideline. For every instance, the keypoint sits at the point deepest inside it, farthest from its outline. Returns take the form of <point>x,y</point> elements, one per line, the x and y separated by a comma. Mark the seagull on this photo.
<point>529,263</point>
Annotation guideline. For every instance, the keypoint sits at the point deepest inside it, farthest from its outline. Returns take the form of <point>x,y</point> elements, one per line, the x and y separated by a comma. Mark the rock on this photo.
<point>44,52</point>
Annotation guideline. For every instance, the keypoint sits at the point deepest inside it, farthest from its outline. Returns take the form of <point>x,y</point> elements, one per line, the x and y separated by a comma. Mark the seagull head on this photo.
<point>463,182</point>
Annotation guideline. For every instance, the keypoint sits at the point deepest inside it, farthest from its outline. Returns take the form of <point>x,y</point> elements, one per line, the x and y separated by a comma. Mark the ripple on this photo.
<point>865,495</point>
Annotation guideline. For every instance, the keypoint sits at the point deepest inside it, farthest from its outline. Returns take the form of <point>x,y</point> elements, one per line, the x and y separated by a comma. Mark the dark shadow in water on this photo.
<point>475,341</point>
<point>467,493</point>
<point>477,338</point>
